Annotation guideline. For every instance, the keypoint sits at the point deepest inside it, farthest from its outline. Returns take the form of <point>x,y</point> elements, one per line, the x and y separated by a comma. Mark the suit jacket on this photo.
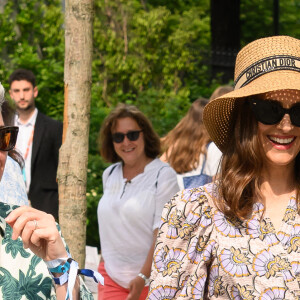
<point>47,139</point>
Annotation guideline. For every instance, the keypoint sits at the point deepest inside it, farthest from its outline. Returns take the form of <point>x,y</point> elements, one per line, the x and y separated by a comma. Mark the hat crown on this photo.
<point>263,48</point>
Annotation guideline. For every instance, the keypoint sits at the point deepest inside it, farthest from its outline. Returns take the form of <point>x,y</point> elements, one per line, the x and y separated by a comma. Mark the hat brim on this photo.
<point>218,113</point>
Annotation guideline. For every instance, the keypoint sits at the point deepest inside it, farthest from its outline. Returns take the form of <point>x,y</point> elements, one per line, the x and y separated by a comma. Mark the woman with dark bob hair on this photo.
<point>136,187</point>
<point>239,237</point>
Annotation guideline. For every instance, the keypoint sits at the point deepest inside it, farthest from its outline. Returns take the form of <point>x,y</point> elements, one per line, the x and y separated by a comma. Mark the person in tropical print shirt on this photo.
<point>30,242</point>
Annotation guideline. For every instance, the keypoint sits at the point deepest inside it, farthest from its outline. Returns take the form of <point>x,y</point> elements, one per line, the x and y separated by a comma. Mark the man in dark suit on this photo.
<point>39,140</point>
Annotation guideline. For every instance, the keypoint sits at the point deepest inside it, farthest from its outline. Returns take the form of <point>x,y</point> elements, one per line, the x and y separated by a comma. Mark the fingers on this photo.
<point>38,231</point>
<point>134,290</point>
<point>17,213</point>
<point>130,287</point>
<point>28,235</point>
<point>27,221</point>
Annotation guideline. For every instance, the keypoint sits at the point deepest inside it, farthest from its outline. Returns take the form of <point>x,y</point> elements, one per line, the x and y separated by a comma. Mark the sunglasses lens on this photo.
<point>118,137</point>
<point>267,112</point>
<point>8,138</point>
<point>295,115</point>
<point>133,135</point>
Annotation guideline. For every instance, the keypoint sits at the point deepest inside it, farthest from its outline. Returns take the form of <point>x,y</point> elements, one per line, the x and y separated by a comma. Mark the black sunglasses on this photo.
<point>118,137</point>
<point>8,137</point>
<point>271,112</point>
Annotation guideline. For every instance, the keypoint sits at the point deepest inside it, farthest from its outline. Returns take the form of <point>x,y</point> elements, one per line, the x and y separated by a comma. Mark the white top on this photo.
<point>213,158</point>
<point>24,141</point>
<point>12,185</point>
<point>127,215</point>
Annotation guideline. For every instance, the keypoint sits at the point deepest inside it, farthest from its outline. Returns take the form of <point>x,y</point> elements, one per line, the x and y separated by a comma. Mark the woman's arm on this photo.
<point>137,284</point>
<point>39,233</point>
<point>61,291</point>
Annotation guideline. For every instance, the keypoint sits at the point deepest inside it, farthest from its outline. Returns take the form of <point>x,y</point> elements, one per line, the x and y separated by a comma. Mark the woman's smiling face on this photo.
<point>131,152</point>
<point>280,142</point>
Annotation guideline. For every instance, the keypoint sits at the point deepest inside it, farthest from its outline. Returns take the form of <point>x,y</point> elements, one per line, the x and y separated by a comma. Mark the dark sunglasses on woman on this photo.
<point>118,137</point>
<point>270,112</point>
<point>8,137</point>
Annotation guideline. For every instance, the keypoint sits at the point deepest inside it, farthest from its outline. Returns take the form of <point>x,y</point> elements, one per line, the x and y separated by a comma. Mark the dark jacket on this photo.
<point>47,139</point>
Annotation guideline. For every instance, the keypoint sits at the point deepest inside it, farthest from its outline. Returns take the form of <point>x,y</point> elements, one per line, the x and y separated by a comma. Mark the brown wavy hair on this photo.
<point>184,143</point>
<point>151,138</point>
<point>241,167</point>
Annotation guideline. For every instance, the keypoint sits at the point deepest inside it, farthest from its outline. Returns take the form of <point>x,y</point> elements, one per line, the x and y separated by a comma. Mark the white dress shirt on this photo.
<point>24,144</point>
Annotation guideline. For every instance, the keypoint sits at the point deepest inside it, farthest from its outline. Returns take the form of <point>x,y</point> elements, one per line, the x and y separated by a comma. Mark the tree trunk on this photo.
<point>73,155</point>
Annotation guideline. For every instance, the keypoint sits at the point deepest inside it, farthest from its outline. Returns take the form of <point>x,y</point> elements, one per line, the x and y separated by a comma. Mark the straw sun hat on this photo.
<point>265,65</point>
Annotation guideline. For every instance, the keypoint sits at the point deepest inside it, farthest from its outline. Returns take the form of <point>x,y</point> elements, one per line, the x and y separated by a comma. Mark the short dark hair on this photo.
<point>151,138</point>
<point>22,74</point>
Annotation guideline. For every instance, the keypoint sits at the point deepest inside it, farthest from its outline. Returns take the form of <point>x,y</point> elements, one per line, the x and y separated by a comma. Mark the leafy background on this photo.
<point>154,54</point>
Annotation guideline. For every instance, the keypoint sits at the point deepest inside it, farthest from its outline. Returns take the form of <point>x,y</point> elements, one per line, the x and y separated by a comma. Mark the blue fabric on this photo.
<point>12,186</point>
<point>196,180</point>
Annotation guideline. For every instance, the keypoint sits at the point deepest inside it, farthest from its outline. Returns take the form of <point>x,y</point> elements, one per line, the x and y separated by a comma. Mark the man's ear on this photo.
<point>35,91</point>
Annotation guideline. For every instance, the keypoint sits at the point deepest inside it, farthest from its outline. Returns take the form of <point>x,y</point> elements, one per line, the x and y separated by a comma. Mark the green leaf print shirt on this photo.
<point>23,275</point>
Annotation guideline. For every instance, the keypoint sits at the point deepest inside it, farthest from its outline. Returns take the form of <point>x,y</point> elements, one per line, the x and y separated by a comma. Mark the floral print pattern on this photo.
<point>201,254</point>
<point>234,263</point>
<point>162,293</point>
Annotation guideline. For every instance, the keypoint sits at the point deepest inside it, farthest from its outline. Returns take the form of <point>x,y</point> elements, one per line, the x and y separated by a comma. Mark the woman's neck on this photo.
<point>278,181</point>
<point>277,187</point>
<point>131,171</point>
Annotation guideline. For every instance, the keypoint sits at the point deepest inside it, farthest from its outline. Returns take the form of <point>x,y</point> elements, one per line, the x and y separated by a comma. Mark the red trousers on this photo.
<point>111,290</point>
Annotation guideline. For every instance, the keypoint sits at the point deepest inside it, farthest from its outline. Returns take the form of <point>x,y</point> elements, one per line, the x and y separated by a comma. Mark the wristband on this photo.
<point>70,271</point>
<point>62,279</point>
<point>62,268</point>
<point>147,280</point>
<point>56,262</point>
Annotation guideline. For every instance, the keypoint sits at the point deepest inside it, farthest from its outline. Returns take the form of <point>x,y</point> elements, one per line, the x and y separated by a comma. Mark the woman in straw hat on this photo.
<point>239,238</point>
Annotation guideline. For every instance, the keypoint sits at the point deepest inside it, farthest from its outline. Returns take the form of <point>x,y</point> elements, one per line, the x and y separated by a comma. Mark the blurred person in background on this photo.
<point>189,149</point>
<point>39,140</point>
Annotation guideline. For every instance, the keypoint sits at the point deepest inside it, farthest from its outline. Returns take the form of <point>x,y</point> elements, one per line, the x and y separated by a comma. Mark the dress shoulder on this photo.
<point>108,171</point>
<point>185,243</point>
<point>187,212</point>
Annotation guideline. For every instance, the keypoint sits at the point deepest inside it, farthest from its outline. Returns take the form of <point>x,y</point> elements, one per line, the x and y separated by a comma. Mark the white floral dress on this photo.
<point>200,254</point>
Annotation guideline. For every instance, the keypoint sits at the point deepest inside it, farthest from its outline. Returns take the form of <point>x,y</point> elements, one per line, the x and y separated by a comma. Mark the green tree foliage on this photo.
<point>151,53</point>
<point>290,18</point>
<point>146,56</point>
<point>257,20</point>
<point>32,37</point>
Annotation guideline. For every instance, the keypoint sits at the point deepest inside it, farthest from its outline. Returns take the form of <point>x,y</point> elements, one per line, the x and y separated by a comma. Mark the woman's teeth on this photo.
<point>281,141</point>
